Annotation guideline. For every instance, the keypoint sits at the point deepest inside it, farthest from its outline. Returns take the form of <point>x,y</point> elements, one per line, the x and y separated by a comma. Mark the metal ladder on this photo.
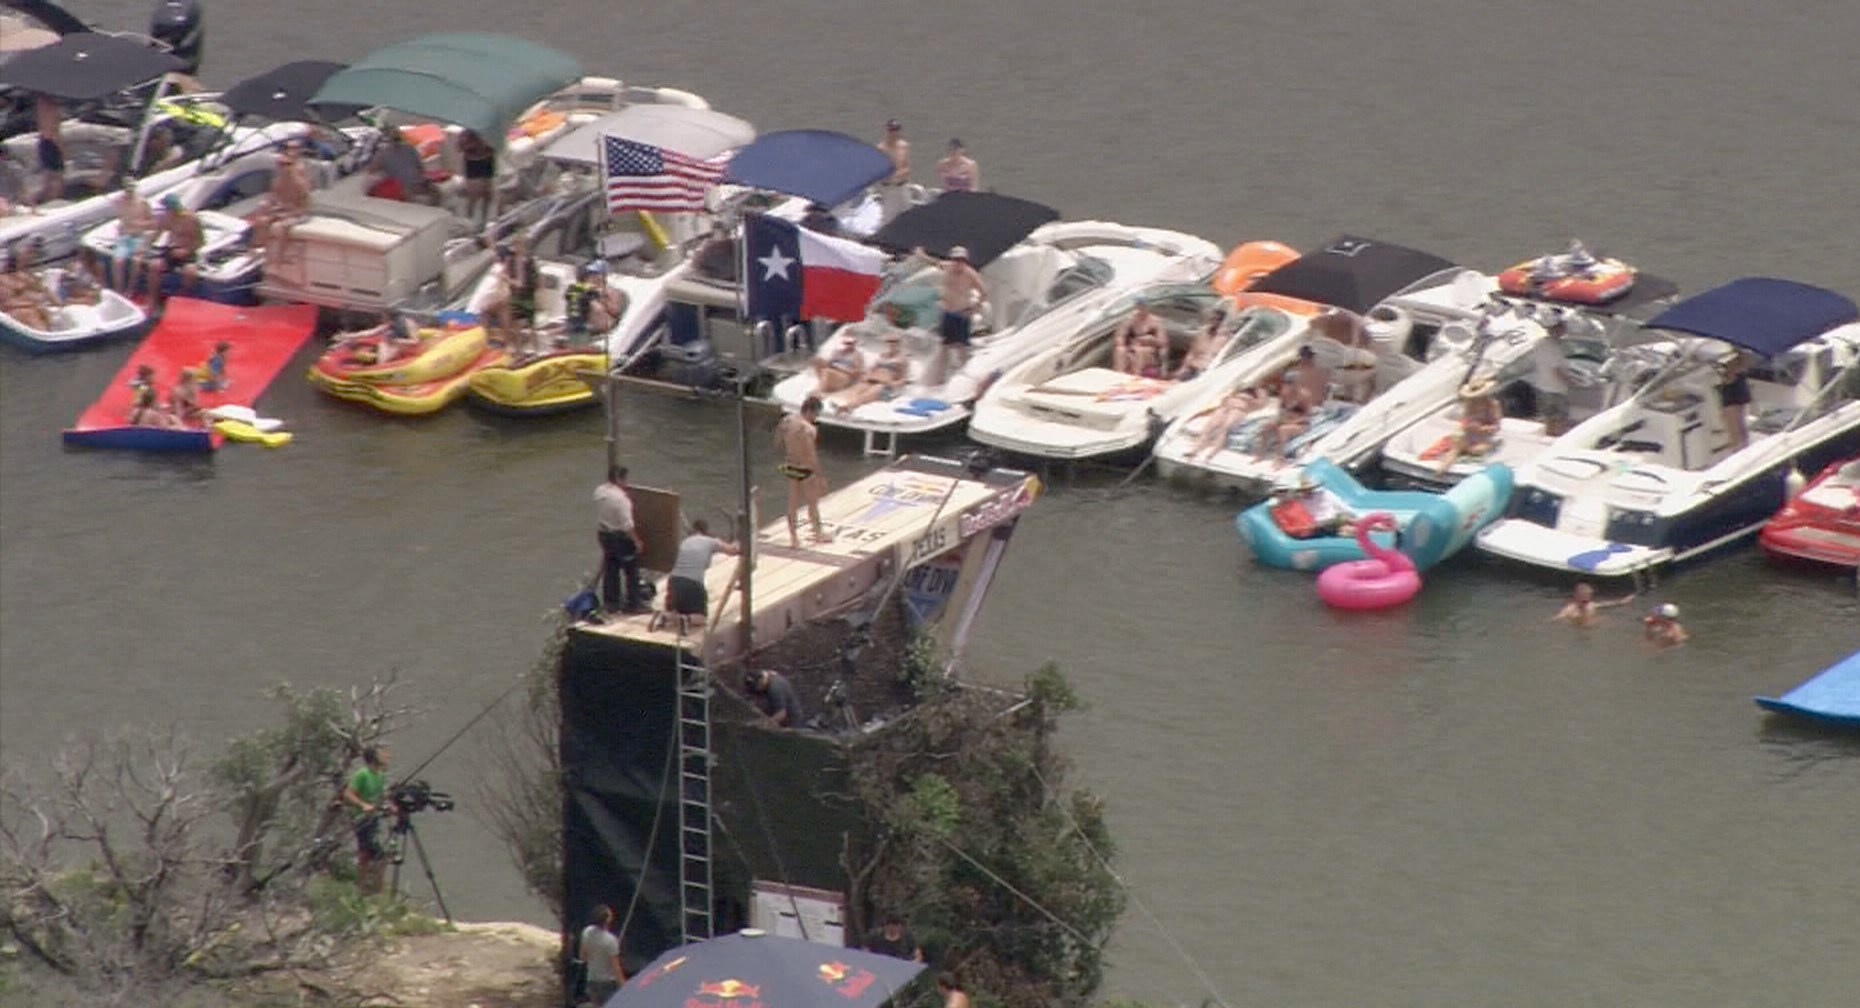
<point>694,758</point>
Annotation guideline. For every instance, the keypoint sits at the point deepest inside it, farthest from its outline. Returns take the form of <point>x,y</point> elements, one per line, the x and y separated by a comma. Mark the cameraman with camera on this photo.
<point>367,787</point>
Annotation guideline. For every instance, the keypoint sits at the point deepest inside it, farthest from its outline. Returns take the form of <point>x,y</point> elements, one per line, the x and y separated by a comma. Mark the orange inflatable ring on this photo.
<point>1248,262</point>
<point>1607,280</point>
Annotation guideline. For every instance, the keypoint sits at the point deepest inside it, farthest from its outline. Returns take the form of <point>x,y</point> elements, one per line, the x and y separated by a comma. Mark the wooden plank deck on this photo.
<point>891,520</point>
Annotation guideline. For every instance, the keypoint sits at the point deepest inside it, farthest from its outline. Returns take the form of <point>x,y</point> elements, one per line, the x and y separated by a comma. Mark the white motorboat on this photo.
<point>1603,356</point>
<point>359,250</point>
<point>1662,476</point>
<point>1042,291</point>
<point>1414,306</point>
<point>1069,402</point>
<point>74,324</point>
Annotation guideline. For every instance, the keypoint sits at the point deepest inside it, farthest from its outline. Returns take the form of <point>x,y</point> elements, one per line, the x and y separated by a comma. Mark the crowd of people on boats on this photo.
<point>31,296</point>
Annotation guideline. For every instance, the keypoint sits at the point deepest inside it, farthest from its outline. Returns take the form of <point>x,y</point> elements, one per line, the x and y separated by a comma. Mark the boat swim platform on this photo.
<point>913,511</point>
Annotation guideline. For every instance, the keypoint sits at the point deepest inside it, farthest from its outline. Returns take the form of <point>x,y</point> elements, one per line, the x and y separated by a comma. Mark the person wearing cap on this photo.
<point>1662,626</point>
<point>958,171</point>
<point>179,237</point>
<point>1582,609</point>
<point>775,697</point>
<point>1141,343</point>
<point>1480,420</point>
<point>1550,376</point>
<point>1329,515</point>
<point>135,226</point>
<point>960,292</point>
<point>898,150</point>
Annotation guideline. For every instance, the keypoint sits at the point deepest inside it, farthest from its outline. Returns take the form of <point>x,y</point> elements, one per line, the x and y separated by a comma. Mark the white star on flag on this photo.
<point>775,264</point>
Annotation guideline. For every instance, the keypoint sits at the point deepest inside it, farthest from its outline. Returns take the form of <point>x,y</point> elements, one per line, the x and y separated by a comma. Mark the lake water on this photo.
<point>1455,803</point>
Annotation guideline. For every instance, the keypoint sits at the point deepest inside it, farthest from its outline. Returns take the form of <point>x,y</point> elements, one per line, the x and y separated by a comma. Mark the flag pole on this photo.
<point>613,366</point>
<point>746,520</point>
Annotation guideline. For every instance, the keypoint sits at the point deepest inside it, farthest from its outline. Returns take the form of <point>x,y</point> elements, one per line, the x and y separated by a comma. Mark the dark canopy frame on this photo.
<point>825,167</point>
<point>477,80</point>
<point>1761,314</point>
<point>1351,272</point>
<point>85,66</point>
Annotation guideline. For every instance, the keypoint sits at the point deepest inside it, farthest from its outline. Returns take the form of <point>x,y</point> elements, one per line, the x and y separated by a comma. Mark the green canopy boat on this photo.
<point>477,80</point>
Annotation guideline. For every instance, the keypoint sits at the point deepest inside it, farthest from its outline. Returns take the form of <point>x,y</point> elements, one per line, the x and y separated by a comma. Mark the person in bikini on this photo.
<point>797,439</point>
<point>1294,419</point>
<point>1480,421</point>
<point>841,369</point>
<point>1312,378</point>
<point>180,252</point>
<point>961,289</point>
<point>886,378</point>
<point>1137,342</point>
<point>480,162</point>
<point>1232,411</point>
<point>958,171</point>
<point>1582,610</point>
<point>285,205</point>
<point>22,293</point>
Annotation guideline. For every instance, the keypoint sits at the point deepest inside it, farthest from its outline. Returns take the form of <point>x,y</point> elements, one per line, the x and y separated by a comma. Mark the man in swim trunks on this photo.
<point>1582,610</point>
<point>960,290</point>
<point>885,380</point>
<point>51,148</point>
<point>176,248</point>
<point>520,310</point>
<point>135,227</point>
<point>796,438</point>
<point>842,369</point>
<point>285,205</point>
<point>893,198</point>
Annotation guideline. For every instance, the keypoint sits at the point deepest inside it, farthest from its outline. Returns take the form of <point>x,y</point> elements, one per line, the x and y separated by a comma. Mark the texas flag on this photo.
<point>794,273</point>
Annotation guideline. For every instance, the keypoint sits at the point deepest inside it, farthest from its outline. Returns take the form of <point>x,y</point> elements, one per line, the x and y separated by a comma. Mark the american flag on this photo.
<point>643,177</point>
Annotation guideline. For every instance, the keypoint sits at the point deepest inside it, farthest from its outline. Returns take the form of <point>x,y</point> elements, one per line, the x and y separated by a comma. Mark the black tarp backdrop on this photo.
<point>780,797</point>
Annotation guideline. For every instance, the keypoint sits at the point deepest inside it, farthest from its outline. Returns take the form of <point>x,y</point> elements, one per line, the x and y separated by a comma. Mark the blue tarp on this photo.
<point>1833,695</point>
<point>820,165</point>
<point>1760,313</point>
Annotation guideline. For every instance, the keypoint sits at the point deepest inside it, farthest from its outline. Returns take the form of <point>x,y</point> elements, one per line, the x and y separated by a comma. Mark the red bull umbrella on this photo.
<point>756,970</point>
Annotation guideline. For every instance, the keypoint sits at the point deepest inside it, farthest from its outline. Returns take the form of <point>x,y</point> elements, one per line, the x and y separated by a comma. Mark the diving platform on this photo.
<point>916,516</point>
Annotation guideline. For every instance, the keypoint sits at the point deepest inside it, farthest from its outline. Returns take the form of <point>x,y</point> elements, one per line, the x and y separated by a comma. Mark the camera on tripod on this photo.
<point>412,796</point>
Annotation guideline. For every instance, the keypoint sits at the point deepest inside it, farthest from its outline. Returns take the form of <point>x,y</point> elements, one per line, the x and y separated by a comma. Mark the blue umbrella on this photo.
<point>751,969</point>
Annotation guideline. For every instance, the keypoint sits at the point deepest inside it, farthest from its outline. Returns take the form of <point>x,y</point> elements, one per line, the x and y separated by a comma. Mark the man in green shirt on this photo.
<point>367,785</point>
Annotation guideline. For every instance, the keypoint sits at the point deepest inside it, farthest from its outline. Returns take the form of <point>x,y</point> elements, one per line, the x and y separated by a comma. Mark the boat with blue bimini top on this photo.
<point>1699,456</point>
<point>1294,529</point>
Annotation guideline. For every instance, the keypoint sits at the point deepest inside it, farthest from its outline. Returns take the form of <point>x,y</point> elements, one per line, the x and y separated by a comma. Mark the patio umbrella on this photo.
<point>1351,272</point>
<point>86,66</point>
<point>279,95</point>
<point>751,969</point>
<point>986,223</point>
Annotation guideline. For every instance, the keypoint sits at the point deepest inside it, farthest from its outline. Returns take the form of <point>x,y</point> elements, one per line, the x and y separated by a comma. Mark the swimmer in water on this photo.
<point>1583,610</point>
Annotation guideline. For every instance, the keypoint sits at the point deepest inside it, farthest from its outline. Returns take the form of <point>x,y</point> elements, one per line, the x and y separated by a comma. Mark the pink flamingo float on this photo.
<point>1387,578</point>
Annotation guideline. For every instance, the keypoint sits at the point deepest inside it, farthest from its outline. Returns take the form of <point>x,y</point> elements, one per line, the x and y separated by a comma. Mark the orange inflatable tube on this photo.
<point>1606,280</point>
<point>1248,262</point>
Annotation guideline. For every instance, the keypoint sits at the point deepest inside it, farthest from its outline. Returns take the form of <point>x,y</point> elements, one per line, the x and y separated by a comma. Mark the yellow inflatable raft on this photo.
<point>441,353</point>
<point>556,383</point>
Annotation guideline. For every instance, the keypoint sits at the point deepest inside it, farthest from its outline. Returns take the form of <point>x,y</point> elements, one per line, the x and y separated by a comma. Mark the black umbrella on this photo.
<point>756,970</point>
<point>279,95</point>
<point>86,66</point>
<point>1350,272</point>
<point>986,224</point>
